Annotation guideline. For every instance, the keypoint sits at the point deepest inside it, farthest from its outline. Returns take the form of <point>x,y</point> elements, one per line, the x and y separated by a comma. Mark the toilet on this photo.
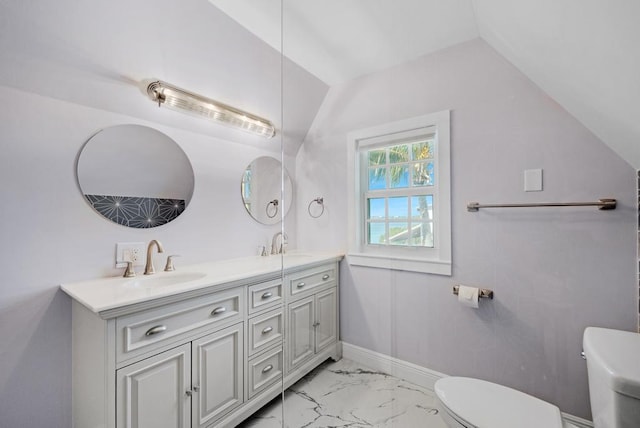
<point>613,367</point>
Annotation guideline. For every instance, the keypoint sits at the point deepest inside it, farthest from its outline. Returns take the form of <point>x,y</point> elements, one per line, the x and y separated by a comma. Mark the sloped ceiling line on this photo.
<point>582,53</point>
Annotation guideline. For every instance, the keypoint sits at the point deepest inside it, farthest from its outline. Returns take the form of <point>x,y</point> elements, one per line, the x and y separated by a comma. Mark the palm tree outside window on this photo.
<point>398,198</point>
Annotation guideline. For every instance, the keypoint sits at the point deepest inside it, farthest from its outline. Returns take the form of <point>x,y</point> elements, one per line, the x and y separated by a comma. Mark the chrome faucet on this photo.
<point>274,242</point>
<point>148,268</point>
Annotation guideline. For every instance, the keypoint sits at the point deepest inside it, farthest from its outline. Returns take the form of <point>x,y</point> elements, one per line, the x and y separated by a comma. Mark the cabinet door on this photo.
<point>301,334</point>
<point>326,314</point>
<point>218,368</point>
<point>153,393</point>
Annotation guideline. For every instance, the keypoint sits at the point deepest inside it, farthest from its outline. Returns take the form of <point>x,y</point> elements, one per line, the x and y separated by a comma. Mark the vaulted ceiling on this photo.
<point>585,54</point>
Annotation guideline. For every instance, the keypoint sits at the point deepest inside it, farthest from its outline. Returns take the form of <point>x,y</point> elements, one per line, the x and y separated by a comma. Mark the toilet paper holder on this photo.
<point>483,293</point>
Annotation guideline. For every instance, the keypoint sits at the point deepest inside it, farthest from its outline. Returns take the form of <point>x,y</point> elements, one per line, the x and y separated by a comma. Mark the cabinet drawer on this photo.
<point>311,279</point>
<point>264,370</point>
<point>146,330</point>
<point>265,330</point>
<point>265,295</point>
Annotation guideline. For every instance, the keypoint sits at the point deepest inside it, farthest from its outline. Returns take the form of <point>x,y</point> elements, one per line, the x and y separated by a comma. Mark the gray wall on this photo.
<point>554,271</point>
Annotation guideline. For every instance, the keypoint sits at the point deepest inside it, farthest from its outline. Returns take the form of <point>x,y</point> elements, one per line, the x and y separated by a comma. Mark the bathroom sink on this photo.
<point>163,279</point>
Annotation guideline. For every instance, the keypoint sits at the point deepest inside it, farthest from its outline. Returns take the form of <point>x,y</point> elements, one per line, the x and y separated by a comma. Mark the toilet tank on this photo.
<point>613,366</point>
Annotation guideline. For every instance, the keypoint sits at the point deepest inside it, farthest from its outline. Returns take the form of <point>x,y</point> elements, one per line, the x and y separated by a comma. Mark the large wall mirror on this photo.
<point>135,176</point>
<point>261,190</point>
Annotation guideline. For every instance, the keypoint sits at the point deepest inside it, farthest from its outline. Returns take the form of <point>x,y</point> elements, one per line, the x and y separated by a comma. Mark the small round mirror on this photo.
<point>261,190</point>
<point>135,176</point>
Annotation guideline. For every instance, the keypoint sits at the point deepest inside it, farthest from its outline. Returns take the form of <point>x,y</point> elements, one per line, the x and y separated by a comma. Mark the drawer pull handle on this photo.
<point>267,295</point>
<point>267,330</point>
<point>301,284</point>
<point>219,310</point>
<point>267,369</point>
<point>325,277</point>
<point>155,330</point>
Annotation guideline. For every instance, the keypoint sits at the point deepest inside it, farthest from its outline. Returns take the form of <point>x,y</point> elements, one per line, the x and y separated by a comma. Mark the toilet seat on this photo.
<point>476,403</point>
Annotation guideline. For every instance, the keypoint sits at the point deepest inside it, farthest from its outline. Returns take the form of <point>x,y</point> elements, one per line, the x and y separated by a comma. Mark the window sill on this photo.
<point>437,267</point>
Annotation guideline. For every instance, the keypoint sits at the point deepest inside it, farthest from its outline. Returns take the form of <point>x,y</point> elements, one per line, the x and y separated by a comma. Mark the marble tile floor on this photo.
<point>346,394</point>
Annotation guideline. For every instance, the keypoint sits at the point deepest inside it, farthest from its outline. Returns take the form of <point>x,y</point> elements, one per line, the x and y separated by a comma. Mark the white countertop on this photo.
<point>104,294</point>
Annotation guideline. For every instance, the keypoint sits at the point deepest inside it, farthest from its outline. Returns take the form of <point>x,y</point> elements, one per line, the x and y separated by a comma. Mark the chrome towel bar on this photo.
<point>602,204</point>
<point>483,293</point>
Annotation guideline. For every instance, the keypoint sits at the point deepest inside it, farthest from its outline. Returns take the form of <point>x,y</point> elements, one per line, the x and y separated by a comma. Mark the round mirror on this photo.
<point>135,176</point>
<point>261,190</point>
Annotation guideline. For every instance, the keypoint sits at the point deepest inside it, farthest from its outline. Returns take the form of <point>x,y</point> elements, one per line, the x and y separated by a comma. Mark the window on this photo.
<point>400,201</point>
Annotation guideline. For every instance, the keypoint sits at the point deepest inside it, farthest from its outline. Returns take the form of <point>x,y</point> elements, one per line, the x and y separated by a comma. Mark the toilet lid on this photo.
<point>484,404</point>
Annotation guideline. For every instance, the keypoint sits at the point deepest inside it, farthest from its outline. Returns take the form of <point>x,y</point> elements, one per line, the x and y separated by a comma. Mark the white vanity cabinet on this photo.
<point>218,375</point>
<point>151,393</point>
<point>209,356</point>
<point>312,326</point>
<point>177,365</point>
<point>312,317</point>
<point>191,385</point>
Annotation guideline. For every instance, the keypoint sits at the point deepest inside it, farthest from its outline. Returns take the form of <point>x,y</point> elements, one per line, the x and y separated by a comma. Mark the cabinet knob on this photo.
<point>325,277</point>
<point>155,330</point>
<point>267,295</point>
<point>189,392</point>
<point>267,369</point>
<point>267,330</point>
<point>315,324</point>
<point>301,284</point>
<point>219,310</point>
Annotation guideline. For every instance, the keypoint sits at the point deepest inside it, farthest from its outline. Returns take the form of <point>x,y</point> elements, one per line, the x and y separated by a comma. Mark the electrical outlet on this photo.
<point>130,252</point>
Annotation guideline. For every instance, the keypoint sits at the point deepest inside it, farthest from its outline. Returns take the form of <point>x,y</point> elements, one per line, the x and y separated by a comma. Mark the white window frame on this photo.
<point>436,260</point>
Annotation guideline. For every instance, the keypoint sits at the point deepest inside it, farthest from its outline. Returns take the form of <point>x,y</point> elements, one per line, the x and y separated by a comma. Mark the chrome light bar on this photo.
<point>180,99</point>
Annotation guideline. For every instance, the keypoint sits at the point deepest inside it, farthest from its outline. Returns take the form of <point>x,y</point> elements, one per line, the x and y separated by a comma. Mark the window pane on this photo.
<point>422,150</point>
<point>399,153</point>
<point>398,176</point>
<point>399,207</point>
<point>377,178</point>
<point>423,174</point>
<point>422,207</point>
<point>377,157</point>
<point>376,233</point>
<point>398,233</point>
<point>422,234</point>
<point>375,208</point>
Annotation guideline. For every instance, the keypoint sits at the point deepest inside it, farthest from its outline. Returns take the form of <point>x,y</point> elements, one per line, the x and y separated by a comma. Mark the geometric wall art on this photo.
<point>139,212</point>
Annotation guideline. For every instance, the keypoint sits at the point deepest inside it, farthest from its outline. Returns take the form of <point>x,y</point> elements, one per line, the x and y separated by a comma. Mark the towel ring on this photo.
<point>275,208</point>
<point>319,201</point>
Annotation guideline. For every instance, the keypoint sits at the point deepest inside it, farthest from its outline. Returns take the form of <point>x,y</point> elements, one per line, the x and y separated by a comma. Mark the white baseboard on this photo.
<point>576,421</point>
<point>413,373</point>
<point>416,374</point>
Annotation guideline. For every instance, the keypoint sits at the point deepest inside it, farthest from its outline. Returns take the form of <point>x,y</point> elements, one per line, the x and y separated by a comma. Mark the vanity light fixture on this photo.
<point>165,94</point>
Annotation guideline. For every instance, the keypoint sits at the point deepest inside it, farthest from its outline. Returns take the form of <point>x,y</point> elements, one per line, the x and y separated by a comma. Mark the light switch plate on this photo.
<point>130,251</point>
<point>533,180</point>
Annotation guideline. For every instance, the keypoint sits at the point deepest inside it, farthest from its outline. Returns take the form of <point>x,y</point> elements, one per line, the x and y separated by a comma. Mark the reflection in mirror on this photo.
<point>261,191</point>
<point>135,176</point>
